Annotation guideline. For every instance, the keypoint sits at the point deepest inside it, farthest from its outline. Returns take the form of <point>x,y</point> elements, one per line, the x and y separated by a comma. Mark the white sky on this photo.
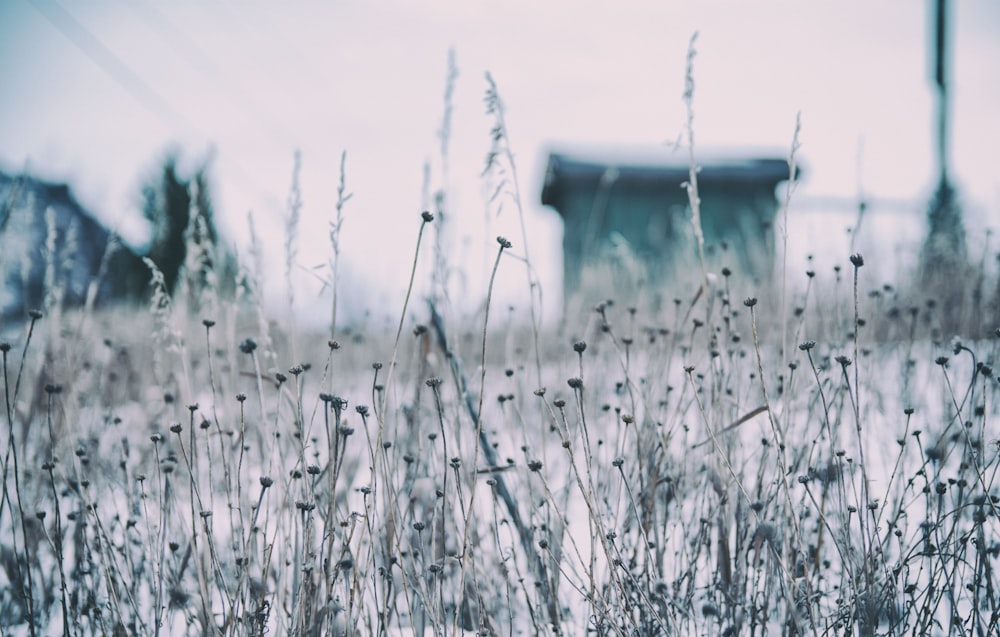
<point>94,94</point>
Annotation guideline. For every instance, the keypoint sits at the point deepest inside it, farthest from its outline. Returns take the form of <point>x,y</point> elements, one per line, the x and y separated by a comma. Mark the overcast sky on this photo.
<point>95,93</point>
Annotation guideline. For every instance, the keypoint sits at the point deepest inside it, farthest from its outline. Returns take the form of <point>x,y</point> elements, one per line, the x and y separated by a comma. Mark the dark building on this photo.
<point>49,242</point>
<point>627,216</point>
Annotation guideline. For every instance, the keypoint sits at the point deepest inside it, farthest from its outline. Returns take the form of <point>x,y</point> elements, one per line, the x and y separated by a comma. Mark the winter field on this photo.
<point>169,471</point>
<point>814,456</point>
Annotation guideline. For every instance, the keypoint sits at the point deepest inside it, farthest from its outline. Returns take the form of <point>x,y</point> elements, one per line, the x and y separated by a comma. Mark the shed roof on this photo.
<point>657,167</point>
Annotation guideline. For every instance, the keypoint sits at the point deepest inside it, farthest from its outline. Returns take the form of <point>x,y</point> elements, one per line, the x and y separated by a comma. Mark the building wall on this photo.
<point>606,225</point>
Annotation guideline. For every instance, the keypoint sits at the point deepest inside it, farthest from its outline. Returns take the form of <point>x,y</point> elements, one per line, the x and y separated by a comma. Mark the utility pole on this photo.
<point>943,256</point>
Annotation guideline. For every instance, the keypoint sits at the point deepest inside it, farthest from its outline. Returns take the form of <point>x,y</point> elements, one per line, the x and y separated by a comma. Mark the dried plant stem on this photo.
<point>786,204</point>
<point>692,184</point>
<point>335,227</point>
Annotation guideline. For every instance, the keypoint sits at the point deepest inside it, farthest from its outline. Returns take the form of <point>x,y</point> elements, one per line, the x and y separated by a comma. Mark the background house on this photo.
<point>50,245</point>
<point>628,220</point>
<point>55,253</point>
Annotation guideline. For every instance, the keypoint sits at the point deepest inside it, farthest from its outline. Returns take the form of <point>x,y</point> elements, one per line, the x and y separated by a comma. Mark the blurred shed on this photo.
<point>628,212</point>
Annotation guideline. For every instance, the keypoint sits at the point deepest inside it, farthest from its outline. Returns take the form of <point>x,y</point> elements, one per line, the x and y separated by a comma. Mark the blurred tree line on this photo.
<point>184,241</point>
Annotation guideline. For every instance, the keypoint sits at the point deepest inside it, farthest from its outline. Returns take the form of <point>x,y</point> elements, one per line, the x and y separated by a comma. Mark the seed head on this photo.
<point>807,345</point>
<point>248,345</point>
<point>750,302</point>
<point>426,216</point>
<point>579,347</point>
<point>504,243</point>
<point>857,260</point>
<point>575,383</point>
<point>843,360</point>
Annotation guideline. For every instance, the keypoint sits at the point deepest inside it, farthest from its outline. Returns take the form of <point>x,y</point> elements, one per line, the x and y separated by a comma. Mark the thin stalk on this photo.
<point>504,244</point>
